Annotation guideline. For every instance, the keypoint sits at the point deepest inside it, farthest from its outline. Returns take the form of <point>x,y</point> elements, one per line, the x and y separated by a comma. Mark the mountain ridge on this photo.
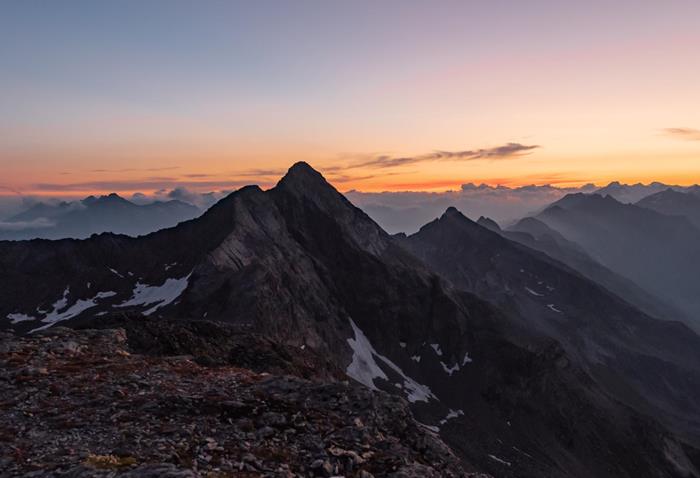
<point>302,265</point>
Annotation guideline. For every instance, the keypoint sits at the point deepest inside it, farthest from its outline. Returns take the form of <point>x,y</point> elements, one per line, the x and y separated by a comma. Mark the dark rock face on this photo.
<point>629,353</point>
<point>299,266</point>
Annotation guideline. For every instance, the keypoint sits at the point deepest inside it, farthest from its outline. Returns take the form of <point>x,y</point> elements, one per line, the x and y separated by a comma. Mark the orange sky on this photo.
<point>221,95</point>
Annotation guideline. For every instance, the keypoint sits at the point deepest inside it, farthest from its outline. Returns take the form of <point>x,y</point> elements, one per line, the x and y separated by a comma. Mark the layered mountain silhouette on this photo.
<point>537,235</point>
<point>674,203</point>
<point>300,264</point>
<point>93,215</point>
<point>657,251</point>
<point>629,353</point>
<point>631,193</point>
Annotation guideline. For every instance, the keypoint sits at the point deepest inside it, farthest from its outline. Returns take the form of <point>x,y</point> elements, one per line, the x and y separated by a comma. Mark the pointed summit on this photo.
<point>302,174</point>
<point>304,182</point>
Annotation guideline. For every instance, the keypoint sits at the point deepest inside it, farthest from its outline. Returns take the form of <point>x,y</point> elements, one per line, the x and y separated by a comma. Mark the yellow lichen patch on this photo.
<point>108,461</point>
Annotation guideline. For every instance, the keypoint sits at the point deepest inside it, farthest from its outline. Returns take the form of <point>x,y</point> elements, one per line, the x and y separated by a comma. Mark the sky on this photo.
<point>143,96</point>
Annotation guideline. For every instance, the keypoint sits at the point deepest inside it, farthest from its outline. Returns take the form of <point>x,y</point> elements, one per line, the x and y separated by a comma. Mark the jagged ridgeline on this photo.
<point>301,266</point>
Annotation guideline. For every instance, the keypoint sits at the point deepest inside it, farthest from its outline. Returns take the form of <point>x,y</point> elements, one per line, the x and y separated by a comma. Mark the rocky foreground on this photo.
<point>79,403</point>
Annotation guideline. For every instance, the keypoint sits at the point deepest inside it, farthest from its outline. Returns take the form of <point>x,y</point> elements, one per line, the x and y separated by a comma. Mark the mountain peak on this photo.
<point>488,223</point>
<point>301,167</point>
<point>303,179</point>
<point>303,172</point>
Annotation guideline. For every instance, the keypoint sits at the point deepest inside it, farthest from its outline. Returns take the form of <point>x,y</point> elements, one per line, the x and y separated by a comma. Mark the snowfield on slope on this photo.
<point>157,295</point>
<point>365,369</point>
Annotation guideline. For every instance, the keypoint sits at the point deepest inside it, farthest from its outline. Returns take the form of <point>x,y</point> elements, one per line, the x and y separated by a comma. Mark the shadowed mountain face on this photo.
<point>301,265</point>
<point>674,203</point>
<point>94,215</point>
<point>657,251</point>
<point>650,364</point>
<point>535,234</point>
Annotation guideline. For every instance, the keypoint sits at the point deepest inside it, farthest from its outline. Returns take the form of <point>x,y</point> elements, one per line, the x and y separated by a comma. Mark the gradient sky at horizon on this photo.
<point>142,95</point>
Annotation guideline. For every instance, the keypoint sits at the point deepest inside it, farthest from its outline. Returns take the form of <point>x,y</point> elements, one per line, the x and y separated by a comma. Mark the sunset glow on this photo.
<point>132,97</point>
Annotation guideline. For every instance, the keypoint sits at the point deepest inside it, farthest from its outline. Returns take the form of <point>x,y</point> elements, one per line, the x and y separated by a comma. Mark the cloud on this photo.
<point>38,223</point>
<point>505,151</point>
<point>202,200</point>
<point>144,184</point>
<point>688,134</point>
<point>407,211</point>
<point>130,170</point>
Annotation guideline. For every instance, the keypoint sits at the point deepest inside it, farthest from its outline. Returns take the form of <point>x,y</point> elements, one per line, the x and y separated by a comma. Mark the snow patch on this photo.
<point>432,428</point>
<point>496,459</point>
<point>80,306</point>
<point>63,301</point>
<point>365,369</point>
<point>436,348</point>
<point>402,345</point>
<point>450,370</point>
<point>415,358</point>
<point>115,272</point>
<point>537,294</point>
<point>551,306</point>
<point>452,414</point>
<point>17,318</point>
<point>158,296</point>
<point>467,359</point>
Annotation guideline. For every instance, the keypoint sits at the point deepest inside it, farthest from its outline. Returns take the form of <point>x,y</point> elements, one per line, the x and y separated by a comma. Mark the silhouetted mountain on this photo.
<point>657,251</point>
<point>537,235</point>
<point>649,364</point>
<point>301,265</point>
<point>488,223</point>
<point>631,193</point>
<point>94,215</point>
<point>674,203</point>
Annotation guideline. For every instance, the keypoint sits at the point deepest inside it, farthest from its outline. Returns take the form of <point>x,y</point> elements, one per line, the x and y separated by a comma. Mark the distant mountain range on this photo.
<point>632,193</point>
<point>523,366</point>
<point>395,211</point>
<point>407,211</point>
<point>626,350</point>
<point>94,215</point>
<point>659,252</point>
<point>674,203</point>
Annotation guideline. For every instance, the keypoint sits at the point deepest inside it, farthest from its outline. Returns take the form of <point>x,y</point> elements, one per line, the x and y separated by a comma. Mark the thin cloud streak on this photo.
<point>131,170</point>
<point>688,134</point>
<point>506,151</point>
<point>128,185</point>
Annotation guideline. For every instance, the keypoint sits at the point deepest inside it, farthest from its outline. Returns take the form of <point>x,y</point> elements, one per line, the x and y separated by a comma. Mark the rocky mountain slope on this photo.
<point>93,215</point>
<point>84,404</point>
<point>301,266</point>
<point>649,364</point>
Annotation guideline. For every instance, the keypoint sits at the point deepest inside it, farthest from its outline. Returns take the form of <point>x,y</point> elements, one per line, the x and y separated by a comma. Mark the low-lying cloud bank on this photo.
<point>408,211</point>
<point>403,211</point>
